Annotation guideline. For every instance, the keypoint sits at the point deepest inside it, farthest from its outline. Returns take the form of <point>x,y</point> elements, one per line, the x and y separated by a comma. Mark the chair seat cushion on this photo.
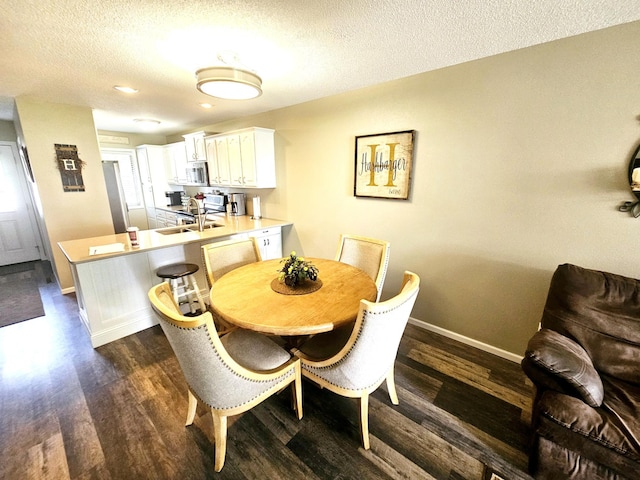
<point>611,430</point>
<point>254,351</point>
<point>326,345</point>
<point>568,362</point>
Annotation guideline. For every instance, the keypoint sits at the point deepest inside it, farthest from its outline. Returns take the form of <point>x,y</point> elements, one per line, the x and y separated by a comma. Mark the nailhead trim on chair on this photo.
<point>274,380</point>
<point>344,358</point>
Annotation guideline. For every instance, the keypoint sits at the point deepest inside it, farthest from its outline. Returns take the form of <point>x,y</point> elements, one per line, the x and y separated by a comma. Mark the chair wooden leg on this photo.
<point>191,411</point>
<point>220,438</point>
<point>364,419</point>
<point>391,387</point>
<point>297,389</point>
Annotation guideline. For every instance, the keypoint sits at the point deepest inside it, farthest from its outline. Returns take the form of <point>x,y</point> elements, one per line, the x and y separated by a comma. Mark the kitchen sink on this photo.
<point>186,228</point>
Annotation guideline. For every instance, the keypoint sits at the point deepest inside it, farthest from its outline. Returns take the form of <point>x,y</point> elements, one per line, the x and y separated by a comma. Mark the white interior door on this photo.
<point>17,235</point>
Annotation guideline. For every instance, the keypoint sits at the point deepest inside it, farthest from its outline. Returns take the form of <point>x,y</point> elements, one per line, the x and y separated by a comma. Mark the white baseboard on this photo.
<point>467,341</point>
<point>141,321</point>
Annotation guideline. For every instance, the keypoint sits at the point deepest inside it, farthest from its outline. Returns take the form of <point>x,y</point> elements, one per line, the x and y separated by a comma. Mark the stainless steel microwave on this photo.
<point>197,173</point>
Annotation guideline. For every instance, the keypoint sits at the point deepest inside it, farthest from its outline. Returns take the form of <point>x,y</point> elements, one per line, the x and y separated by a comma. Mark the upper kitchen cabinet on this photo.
<point>218,160</point>
<point>242,158</point>
<point>176,162</point>
<point>194,144</point>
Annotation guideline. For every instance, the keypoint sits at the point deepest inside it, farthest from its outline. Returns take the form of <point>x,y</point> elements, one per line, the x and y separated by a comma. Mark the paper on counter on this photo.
<point>111,248</point>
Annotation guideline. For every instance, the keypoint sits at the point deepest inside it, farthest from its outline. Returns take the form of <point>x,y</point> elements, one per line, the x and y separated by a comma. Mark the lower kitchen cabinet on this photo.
<point>269,242</point>
<point>152,221</point>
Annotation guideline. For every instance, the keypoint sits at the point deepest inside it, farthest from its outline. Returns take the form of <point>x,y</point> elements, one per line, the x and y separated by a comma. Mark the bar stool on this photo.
<point>183,283</point>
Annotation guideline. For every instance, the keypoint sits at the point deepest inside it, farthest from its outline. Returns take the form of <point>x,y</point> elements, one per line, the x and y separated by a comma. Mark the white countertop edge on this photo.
<point>78,251</point>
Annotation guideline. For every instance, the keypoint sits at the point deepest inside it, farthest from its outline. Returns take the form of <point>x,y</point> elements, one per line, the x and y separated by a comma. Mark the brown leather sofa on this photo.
<point>585,364</point>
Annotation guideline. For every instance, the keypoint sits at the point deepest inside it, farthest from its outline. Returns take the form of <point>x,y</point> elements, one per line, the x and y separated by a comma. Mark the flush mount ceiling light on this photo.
<point>124,89</point>
<point>229,83</point>
<point>147,122</point>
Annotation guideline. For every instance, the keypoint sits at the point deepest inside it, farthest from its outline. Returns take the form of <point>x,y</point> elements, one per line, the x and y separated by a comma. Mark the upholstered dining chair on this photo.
<point>219,258</point>
<point>357,367</point>
<point>367,254</point>
<point>229,374</point>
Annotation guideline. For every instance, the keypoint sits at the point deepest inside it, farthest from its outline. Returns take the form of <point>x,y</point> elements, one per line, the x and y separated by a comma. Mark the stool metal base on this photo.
<point>183,284</point>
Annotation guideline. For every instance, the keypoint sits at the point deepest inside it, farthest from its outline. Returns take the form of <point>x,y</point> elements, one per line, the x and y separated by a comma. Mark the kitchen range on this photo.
<point>211,203</point>
<point>232,203</point>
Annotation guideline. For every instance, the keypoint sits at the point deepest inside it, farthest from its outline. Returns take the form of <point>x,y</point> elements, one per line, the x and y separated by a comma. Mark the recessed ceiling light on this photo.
<point>121,88</point>
<point>206,105</point>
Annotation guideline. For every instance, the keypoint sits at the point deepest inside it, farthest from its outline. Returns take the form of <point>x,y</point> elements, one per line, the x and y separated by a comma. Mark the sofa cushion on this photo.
<point>608,434</point>
<point>601,312</point>
<point>555,462</point>
<point>564,359</point>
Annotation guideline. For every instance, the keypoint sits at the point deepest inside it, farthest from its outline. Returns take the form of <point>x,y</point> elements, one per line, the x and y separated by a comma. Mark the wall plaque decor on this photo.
<point>70,167</point>
<point>383,165</point>
<point>113,139</point>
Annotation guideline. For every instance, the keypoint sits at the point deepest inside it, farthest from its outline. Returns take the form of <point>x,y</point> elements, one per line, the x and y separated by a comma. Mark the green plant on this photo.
<point>296,269</point>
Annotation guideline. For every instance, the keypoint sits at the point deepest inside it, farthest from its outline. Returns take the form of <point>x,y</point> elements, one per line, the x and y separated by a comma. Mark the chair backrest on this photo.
<point>212,374</point>
<point>370,352</point>
<point>600,311</point>
<point>367,254</point>
<point>219,258</point>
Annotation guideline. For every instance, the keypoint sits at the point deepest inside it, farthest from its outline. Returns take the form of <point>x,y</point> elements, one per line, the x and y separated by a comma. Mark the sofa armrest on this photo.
<point>556,362</point>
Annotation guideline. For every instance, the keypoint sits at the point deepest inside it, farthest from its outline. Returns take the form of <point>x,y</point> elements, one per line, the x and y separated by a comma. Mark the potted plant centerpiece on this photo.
<point>296,270</point>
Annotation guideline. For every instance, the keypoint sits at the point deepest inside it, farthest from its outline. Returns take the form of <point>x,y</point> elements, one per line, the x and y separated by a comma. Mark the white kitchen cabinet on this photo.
<point>151,218</point>
<point>176,162</point>
<point>269,242</point>
<point>243,158</point>
<point>218,160</point>
<point>171,218</point>
<point>161,221</point>
<point>195,147</point>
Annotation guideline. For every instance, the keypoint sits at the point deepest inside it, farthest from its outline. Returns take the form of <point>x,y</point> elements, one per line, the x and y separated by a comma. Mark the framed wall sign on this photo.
<point>383,165</point>
<point>70,167</point>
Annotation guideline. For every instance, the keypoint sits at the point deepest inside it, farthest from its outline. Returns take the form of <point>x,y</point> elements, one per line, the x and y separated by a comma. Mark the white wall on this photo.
<point>520,164</point>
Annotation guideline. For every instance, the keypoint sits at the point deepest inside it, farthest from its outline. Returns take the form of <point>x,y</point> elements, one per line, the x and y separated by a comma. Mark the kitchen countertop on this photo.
<point>77,251</point>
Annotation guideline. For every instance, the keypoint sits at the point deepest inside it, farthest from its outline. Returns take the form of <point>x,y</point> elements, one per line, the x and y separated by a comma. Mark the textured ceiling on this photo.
<point>75,51</point>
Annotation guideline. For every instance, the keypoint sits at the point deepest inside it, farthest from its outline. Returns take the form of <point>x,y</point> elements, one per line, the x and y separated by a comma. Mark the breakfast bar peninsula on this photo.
<point>112,277</point>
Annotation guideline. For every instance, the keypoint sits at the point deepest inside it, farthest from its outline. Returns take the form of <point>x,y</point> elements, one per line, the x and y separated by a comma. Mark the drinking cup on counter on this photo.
<point>133,236</point>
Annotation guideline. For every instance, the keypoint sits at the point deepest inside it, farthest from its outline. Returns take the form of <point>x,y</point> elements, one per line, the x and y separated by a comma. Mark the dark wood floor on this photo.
<point>117,412</point>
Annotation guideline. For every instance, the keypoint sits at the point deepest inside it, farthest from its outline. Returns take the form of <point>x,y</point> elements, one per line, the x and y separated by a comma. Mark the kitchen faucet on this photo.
<point>200,217</point>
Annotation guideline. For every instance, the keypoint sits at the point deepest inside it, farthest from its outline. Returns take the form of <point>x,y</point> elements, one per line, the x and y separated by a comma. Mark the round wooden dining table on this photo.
<point>245,297</point>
